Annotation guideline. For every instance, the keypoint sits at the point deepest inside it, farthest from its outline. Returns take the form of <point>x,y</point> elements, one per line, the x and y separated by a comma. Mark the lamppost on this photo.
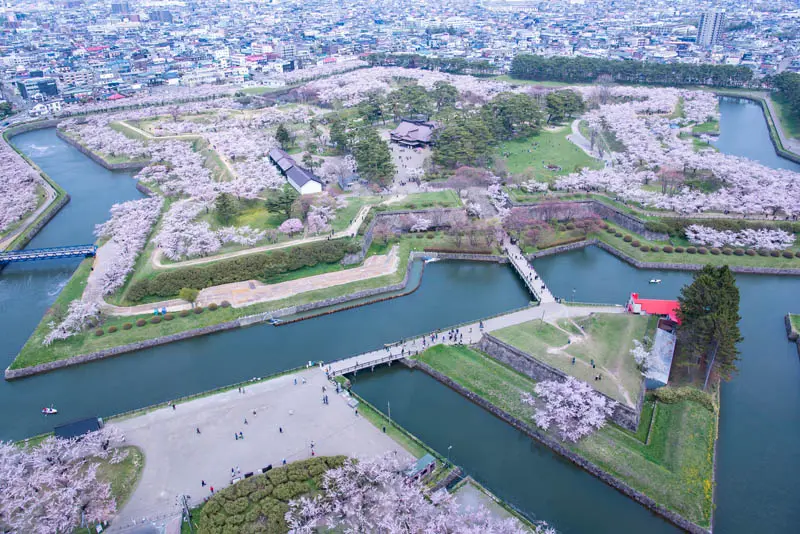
<point>448,453</point>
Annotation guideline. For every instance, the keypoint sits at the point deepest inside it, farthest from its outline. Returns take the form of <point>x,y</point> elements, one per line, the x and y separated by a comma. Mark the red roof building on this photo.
<point>667,308</point>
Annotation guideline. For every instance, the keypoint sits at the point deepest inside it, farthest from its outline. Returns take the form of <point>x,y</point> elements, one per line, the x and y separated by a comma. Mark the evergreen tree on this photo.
<point>226,208</point>
<point>511,115</point>
<point>373,157</point>
<point>281,201</point>
<point>709,314</point>
<point>444,94</point>
<point>282,136</point>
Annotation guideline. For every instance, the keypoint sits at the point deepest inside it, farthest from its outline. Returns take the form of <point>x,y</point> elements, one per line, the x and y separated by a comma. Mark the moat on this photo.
<point>759,427</point>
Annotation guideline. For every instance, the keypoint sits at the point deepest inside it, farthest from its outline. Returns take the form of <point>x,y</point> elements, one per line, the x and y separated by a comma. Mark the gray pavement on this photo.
<point>177,459</point>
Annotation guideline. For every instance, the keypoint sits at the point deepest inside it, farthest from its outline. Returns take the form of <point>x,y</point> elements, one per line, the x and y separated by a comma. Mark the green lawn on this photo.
<point>795,319</point>
<point>607,342</point>
<point>409,442</point>
<point>529,156</point>
<point>490,379</point>
<point>674,469</point>
<point>789,121</point>
<point>446,198</point>
<point>349,212</point>
<point>711,127</point>
<point>509,79</point>
<point>678,112</point>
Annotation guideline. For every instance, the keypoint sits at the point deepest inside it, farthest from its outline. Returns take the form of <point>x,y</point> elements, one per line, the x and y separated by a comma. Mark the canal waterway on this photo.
<point>759,461</point>
<point>744,132</point>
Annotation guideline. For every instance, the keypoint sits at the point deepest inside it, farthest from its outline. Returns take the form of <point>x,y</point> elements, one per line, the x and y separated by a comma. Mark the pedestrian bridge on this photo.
<point>52,253</point>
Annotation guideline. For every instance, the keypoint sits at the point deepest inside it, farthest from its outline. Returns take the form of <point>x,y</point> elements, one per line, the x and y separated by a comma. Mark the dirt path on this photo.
<point>350,231</point>
<point>241,294</point>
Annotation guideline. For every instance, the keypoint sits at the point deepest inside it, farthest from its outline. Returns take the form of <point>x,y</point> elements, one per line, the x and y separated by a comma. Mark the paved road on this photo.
<point>466,334</point>
<point>30,219</point>
<point>578,139</point>
<point>177,459</point>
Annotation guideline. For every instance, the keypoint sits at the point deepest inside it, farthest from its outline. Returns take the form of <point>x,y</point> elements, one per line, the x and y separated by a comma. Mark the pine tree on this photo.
<point>226,209</point>
<point>709,315</point>
<point>282,136</point>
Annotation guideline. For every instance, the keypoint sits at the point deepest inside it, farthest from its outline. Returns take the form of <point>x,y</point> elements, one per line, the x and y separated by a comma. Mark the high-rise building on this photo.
<point>711,24</point>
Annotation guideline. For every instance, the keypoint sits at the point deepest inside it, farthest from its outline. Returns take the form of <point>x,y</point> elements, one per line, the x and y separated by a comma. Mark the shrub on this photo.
<point>155,320</point>
<point>184,313</point>
<point>635,243</point>
<point>659,227</point>
<point>763,252</point>
<point>99,332</point>
<point>419,235</point>
<point>644,248</point>
<point>617,234</point>
<point>251,266</point>
<point>679,250</point>
<point>726,251</point>
<point>198,310</point>
<point>691,250</point>
<point>225,304</point>
<point>627,239</point>
<point>430,236</point>
<point>775,254</point>
<point>797,254</point>
<point>168,317</point>
<point>715,251</point>
<point>668,249</point>
<point>610,230</point>
<point>670,395</point>
<point>140,322</point>
<point>127,326</point>
<point>570,226</point>
<point>213,306</point>
<point>750,252</point>
<point>112,329</point>
<point>702,250</point>
<point>738,252</point>
<point>788,254</point>
<point>604,226</point>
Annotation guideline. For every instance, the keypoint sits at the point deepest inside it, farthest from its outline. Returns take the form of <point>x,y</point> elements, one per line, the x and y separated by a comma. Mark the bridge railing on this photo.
<point>47,253</point>
<point>365,364</point>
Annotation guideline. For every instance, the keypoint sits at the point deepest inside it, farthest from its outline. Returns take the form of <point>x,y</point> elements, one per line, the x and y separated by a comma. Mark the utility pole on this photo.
<point>389,407</point>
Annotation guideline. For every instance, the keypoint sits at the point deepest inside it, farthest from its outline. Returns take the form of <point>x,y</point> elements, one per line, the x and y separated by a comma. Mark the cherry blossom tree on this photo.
<point>18,187</point>
<point>373,495</point>
<point>128,229</point>
<point>572,405</point>
<point>81,314</point>
<point>758,238</point>
<point>52,486</point>
<point>291,226</point>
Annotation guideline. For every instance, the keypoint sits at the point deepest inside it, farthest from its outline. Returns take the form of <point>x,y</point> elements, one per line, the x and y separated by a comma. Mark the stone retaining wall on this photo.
<point>556,446</point>
<point>11,374</point>
<point>581,209</point>
<point>793,334</point>
<point>129,166</point>
<point>527,364</point>
<point>463,256</point>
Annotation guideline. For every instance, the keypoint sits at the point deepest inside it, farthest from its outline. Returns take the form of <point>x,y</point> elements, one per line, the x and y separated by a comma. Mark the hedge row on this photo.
<point>788,254</point>
<point>260,503</point>
<point>670,395</point>
<point>253,266</point>
<point>158,318</point>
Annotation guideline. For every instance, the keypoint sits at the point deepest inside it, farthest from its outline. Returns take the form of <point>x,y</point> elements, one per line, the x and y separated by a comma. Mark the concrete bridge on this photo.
<point>526,271</point>
<point>52,253</point>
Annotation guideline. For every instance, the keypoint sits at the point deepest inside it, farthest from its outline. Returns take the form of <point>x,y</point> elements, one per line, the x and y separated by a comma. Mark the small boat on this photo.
<point>655,281</point>
<point>431,260</point>
<point>49,411</point>
<point>274,321</point>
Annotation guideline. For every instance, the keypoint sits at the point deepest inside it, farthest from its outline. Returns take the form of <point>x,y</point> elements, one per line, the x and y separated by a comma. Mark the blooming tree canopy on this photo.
<point>291,226</point>
<point>49,487</point>
<point>572,405</point>
<point>373,495</point>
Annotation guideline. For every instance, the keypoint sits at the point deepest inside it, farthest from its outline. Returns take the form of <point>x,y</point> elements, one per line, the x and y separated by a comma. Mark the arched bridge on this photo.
<point>52,253</point>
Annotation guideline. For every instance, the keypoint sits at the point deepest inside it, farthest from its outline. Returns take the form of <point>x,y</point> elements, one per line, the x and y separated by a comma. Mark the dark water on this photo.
<point>759,455</point>
<point>744,132</point>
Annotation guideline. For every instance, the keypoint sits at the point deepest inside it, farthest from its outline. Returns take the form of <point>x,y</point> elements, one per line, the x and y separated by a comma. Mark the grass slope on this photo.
<point>551,147</point>
<point>674,467</point>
